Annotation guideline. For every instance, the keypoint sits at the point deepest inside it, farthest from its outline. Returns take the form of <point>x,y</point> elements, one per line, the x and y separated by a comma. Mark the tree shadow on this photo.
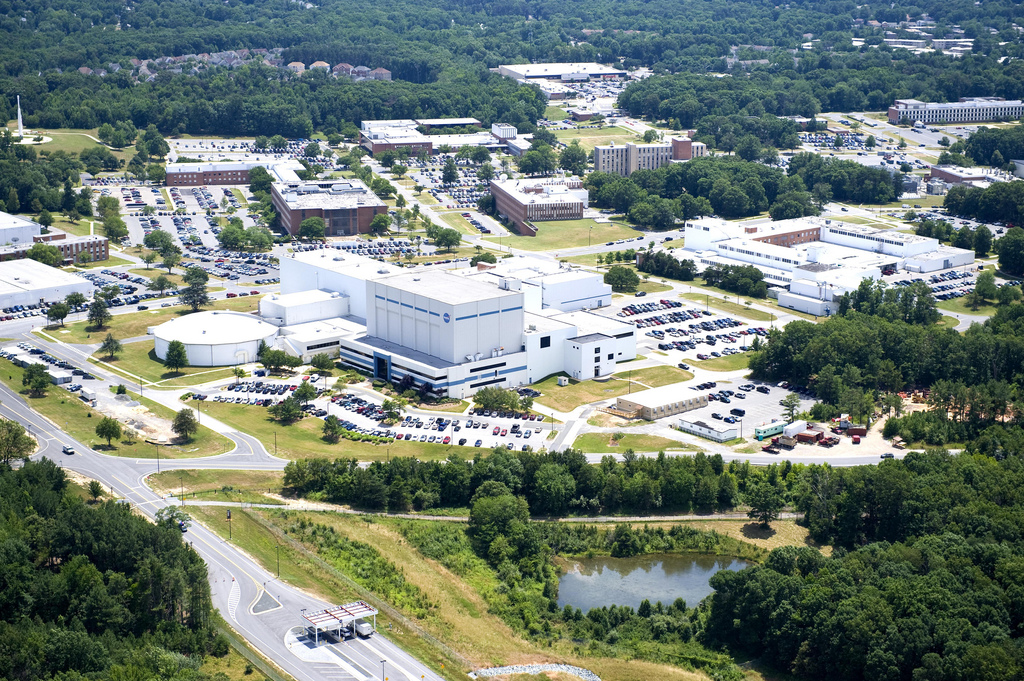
<point>758,531</point>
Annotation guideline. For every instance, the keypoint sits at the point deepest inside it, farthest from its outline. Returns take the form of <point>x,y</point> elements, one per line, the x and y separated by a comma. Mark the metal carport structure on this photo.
<point>338,617</point>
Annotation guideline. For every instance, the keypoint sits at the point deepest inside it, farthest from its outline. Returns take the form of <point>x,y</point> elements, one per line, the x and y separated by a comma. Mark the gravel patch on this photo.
<point>584,674</point>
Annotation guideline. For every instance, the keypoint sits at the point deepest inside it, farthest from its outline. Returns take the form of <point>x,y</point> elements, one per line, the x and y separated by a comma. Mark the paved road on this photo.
<point>262,609</point>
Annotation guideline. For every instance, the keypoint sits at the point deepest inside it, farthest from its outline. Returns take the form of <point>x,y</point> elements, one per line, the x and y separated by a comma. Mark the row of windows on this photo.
<point>322,345</point>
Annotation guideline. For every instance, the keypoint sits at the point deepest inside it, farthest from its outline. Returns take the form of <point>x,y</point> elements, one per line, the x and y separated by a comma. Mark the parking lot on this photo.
<point>361,413</point>
<point>750,397</point>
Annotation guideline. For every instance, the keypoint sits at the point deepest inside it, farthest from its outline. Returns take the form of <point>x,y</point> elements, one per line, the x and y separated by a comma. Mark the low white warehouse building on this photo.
<point>215,338</point>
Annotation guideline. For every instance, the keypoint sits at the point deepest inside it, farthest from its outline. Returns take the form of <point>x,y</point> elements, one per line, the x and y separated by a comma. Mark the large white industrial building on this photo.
<point>28,282</point>
<point>815,260</point>
<point>453,331</point>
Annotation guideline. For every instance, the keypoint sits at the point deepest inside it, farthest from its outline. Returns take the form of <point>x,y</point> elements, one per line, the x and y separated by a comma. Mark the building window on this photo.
<point>611,356</point>
<point>597,351</point>
<point>597,360</point>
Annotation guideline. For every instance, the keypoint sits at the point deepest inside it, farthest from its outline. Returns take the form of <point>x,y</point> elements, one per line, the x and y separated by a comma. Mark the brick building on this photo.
<point>346,206</point>
<point>198,174</point>
<point>527,200</point>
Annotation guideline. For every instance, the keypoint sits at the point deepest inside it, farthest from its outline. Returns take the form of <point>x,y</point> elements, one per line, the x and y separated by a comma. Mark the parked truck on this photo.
<point>362,628</point>
<point>784,441</point>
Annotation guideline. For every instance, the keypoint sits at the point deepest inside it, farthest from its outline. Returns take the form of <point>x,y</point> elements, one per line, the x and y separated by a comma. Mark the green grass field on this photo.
<point>961,306</point>
<point>592,137</point>
<point>79,421</point>
<point>139,360</point>
<point>729,307</point>
<point>725,363</point>
<point>209,485</point>
<point>135,323</point>
<point>302,439</point>
<point>567,398</point>
<point>112,261</point>
<point>949,322</point>
<point>555,113</point>
<point>600,443</point>
<point>569,234</point>
<point>456,221</point>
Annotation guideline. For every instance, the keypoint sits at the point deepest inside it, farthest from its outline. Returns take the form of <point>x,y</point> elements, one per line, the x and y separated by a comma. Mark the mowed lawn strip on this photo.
<point>729,307</point>
<point>740,360</point>
<point>600,443</point>
<point>210,485</point>
<point>139,359</point>
<point>567,398</point>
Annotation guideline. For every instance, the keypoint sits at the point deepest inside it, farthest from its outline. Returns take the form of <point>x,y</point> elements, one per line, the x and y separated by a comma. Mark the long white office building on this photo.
<point>814,261</point>
<point>967,110</point>
<point>455,332</point>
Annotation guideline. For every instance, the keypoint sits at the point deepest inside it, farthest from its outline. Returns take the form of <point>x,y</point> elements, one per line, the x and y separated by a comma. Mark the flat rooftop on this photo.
<point>557,70</point>
<point>443,287</point>
<point>18,276</point>
<point>540,191</point>
<point>348,264</point>
<point>7,221</point>
<point>587,323</point>
<point>326,195</point>
<point>876,234</point>
<point>444,122</point>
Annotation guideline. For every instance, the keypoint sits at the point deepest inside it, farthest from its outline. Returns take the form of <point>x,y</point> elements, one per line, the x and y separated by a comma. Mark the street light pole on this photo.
<point>157,445</point>
<point>181,479</point>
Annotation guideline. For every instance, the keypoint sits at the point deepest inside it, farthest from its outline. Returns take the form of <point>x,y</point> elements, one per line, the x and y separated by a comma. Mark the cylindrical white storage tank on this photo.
<point>215,338</point>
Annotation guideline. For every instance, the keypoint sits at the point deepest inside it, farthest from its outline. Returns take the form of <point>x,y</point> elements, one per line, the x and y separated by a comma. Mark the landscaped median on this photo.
<point>605,443</point>
<point>227,485</point>
<point>730,307</point>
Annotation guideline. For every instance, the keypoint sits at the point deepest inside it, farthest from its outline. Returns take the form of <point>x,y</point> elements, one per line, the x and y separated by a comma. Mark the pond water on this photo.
<point>597,582</point>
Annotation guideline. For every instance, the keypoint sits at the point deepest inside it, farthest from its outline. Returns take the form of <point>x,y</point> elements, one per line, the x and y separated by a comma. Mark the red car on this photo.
<point>232,295</point>
<point>254,293</point>
<point>504,432</point>
<point>447,440</point>
<point>496,430</point>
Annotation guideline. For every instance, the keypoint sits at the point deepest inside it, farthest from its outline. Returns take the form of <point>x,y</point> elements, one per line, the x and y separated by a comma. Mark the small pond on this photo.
<point>597,582</point>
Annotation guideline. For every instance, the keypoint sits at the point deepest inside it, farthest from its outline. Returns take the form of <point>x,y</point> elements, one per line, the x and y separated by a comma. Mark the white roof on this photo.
<point>17,276</point>
<point>349,264</point>
<point>557,70</point>
<point>303,297</point>
<point>587,323</point>
<point>444,287</point>
<point>214,327</point>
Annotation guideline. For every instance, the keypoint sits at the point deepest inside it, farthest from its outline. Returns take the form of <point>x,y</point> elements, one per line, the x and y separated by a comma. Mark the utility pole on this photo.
<point>181,479</point>
<point>229,524</point>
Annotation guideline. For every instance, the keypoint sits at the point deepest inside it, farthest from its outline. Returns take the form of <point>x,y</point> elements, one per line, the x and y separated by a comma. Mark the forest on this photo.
<point>925,582</point>
<point>439,53</point>
<point>93,590</point>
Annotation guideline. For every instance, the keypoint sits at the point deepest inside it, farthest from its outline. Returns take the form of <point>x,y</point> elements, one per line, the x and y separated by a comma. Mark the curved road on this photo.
<point>262,609</point>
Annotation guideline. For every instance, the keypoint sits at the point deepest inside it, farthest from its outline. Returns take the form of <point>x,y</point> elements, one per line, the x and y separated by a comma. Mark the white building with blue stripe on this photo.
<point>452,333</point>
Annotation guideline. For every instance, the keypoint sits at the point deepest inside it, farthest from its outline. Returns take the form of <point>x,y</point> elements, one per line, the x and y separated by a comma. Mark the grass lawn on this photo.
<point>600,443</point>
<point>79,421</point>
<point>592,137</point>
<point>111,261</point>
<point>240,196</point>
<point>569,234</point>
<point>948,322</point>
<point>135,323</point>
<point>302,439</point>
<point>153,273</point>
<point>726,363</point>
<point>567,398</point>
<point>961,305</point>
<point>460,223</point>
<point>209,485</point>
<point>139,359</point>
<point>729,307</point>
<point>204,443</point>
<point>80,228</point>
<point>555,113</point>
<point>653,287</point>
